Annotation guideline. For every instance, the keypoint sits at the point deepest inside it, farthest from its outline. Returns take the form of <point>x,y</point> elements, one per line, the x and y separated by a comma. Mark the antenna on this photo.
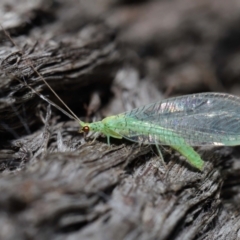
<point>73,115</point>
<point>56,95</point>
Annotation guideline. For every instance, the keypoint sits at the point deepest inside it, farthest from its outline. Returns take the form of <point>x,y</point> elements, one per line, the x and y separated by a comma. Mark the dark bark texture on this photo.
<point>103,58</point>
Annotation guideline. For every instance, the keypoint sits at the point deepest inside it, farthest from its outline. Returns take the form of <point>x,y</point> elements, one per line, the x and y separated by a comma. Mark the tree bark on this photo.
<point>103,58</point>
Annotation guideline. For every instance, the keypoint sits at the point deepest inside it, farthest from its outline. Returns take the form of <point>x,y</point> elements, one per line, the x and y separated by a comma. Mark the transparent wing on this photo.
<point>198,119</point>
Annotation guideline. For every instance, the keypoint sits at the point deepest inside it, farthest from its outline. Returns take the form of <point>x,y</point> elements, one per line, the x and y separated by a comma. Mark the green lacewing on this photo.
<point>180,122</point>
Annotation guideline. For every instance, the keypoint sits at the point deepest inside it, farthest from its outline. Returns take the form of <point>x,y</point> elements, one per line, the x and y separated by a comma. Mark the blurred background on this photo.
<point>105,57</point>
<point>137,51</point>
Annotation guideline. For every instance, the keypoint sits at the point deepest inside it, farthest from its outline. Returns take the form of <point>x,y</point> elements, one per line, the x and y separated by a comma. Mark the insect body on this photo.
<point>181,122</point>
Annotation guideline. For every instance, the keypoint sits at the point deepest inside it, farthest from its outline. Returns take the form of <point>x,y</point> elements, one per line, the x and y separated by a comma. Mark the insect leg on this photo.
<point>108,140</point>
<point>96,135</point>
<point>160,155</point>
<point>94,139</point>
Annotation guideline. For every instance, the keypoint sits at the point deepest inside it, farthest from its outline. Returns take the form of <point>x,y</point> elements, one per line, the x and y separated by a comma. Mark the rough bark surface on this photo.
<point>103,58</point>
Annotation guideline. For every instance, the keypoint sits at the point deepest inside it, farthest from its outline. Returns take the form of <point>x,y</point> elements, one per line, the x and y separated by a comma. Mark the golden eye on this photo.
<point>86,129</point>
